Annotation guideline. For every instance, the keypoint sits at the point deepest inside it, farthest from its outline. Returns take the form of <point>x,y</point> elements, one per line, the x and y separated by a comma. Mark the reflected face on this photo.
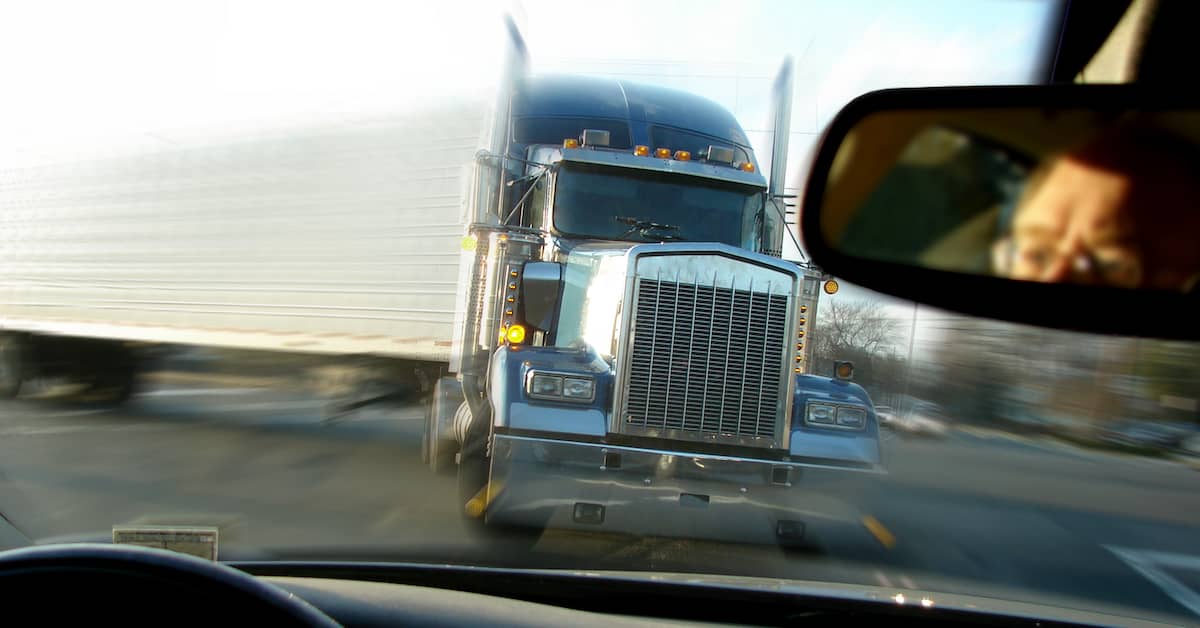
<point>1076,225</point>
<point>1114,215</point>
<point>1075,196</point>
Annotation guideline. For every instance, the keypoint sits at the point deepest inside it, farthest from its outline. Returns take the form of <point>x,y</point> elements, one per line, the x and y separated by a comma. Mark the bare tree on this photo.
<point>861,332</point>
<point>855,329</point>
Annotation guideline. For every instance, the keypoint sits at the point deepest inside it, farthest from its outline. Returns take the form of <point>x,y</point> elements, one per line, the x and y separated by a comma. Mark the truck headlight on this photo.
<point>545,386</point>
<point>560,387</point>
<point>819,413</point>
<point>851,417</point>
<point>579,388</point>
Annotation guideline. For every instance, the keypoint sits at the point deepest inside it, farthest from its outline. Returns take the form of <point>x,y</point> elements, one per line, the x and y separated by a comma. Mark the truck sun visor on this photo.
<point>720,154</point>
<point>595,137</point>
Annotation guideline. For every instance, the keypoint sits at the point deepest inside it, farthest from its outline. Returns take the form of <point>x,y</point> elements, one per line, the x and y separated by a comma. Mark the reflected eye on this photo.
<point>1036,256</point>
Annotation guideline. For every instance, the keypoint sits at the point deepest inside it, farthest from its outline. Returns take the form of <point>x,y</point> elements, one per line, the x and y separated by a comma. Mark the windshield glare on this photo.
<point>644,206</point>
<point>271,268</point>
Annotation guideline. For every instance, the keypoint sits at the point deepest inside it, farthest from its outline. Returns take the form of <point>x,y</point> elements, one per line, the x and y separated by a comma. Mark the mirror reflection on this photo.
<point>1063,196</point>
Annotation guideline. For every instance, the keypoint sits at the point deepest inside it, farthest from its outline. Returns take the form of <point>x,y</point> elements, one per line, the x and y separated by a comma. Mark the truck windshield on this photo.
<point>611,204</point>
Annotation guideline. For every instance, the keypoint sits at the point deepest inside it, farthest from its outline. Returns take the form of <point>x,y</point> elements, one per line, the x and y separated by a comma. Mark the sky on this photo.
<point>80,74</point>
<point>77,71</point>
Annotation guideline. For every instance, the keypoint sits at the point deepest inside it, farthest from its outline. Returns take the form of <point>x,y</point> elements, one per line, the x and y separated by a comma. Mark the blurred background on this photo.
<point>1132,395</point>
<point>1021,461</point>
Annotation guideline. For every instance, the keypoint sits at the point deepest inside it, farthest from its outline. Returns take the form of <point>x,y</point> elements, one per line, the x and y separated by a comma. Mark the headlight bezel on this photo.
<point>834,420</point>
<point>562,378</point>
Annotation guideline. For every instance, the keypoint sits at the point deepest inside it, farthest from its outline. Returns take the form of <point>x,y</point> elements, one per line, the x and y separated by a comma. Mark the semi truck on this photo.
<point>582,275</point>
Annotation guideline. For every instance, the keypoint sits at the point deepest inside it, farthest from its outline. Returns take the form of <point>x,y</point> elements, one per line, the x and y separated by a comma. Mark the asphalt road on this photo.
<point>976,512</point>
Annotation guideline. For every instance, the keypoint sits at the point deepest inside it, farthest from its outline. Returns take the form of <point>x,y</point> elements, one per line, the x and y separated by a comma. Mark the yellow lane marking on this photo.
<point>881,533</point>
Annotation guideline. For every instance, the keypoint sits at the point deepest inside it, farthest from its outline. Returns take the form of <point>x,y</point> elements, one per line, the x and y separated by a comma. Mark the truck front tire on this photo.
<point>474,474</point>
<point>473,470</point>
<point>445,404</point>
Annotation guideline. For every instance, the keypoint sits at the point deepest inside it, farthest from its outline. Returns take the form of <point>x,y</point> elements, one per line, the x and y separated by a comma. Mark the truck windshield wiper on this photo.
<point>644,227</point>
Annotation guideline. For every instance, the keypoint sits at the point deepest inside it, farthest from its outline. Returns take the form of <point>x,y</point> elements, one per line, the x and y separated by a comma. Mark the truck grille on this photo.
<point>705,360</point>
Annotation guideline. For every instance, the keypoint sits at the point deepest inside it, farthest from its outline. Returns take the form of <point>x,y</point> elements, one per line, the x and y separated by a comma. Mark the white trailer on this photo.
<point>336,238</point>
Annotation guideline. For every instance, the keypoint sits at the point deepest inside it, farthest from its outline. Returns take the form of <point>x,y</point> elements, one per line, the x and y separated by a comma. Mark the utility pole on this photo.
<point>912,333</point>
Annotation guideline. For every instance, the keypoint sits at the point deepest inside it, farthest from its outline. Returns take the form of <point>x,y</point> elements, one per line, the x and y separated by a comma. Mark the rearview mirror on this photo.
<point>1070,206</point>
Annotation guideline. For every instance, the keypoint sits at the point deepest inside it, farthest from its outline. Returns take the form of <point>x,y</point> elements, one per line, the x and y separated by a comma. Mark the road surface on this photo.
<point>975,512</point>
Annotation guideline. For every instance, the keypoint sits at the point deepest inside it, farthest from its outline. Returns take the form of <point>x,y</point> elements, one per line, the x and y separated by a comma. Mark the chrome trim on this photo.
<point>542,480</point>
<point>689,455</point>
<point>742,440</point>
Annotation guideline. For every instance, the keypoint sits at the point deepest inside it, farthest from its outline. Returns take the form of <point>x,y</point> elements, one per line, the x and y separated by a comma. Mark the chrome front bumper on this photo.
<point>548,483</point>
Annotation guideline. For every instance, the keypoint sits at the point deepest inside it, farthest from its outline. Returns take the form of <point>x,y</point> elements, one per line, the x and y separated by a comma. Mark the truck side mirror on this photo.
<point>541,284</point>
<point>772,226</point>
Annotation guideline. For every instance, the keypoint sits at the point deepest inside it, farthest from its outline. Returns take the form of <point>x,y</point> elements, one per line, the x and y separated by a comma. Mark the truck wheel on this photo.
<point>474,470</point>
<point>473,475</point>
<point>436,452</point>
<point>445,403</point>
<point>12,367</point>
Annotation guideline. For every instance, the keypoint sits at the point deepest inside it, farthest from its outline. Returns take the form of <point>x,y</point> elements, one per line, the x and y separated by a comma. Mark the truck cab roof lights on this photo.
<point>746,166</point>
<point>683,155</point>
<point>595,137</point>
<point>570,142</point>
<point>662,153</point>
<point>641,150</point>
<point>719,154</point>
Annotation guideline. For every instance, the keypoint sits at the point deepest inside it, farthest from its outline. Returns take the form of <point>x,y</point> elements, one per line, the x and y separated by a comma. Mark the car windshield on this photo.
<point>275,269</point>
<point>608,204</point>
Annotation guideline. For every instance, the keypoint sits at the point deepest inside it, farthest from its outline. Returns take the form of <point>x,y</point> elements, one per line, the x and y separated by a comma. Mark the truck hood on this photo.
<point>596,283</point>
